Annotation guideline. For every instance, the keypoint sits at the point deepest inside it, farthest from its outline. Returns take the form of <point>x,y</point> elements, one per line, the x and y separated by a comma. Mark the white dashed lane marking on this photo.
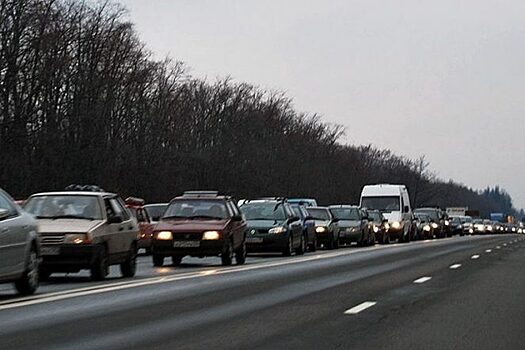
<point>361,307</point>
<point>474,257</point>
<point>455,266</point>
<point>422,280</point>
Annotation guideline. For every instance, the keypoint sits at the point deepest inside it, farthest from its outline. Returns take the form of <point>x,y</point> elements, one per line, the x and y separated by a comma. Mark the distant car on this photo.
<point>326,227</point>
<point>308,226</point>
<point>84,230</point>
<point>490,228</point>
<point>424,226</point>
<point>467,223</point>
<point>456,225</point>
<point>353,225</point>
<point>478,226</point>
<point>200,224</point>
<point>273,226</point>
<point>19,247</point>
<point>437,220</point>
<point>146,224</point>
<point>155,211</point>
<point>379,225</point>
<point>307,202</point>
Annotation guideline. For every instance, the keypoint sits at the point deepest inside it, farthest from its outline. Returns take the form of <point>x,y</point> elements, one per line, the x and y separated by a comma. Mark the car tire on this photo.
<point>158,260</point>
<point>302,246</point>
<point>288,249</point>
<point>240,254</point>
<point>28,283</point>
<point>227,253</point>
<point>100,269</point>
<point>129,267</point>
<point>176,260</point>
<point>313,246</point>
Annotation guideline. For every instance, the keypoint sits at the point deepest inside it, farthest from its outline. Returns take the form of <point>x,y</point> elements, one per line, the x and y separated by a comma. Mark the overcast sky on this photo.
<point>443,78</point>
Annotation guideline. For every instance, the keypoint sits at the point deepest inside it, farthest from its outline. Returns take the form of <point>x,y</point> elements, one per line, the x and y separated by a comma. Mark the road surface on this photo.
<point>456,293</point>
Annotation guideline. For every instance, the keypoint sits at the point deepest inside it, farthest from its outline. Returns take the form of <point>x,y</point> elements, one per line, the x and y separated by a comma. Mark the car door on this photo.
<point>129,228</point>
<point>238,226</point>
<point>295,224</point>
<point>13,235</point>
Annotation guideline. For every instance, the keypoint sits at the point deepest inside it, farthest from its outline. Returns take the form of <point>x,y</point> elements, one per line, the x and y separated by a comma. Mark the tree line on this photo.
<point>83,101</point>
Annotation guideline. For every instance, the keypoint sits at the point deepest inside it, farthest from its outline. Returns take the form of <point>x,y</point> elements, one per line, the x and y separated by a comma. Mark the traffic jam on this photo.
<point>85,228</point>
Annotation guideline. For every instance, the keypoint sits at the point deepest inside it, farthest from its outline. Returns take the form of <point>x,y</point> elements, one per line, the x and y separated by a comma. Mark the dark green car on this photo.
<point>273,227</point>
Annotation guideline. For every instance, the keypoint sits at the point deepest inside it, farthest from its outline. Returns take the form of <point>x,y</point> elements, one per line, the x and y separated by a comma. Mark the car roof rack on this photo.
<point>198,194</point>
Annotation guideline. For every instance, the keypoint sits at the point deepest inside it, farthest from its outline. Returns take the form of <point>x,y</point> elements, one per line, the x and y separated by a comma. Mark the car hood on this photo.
<point>349,223</point>
<point>393,216</point>
<point>263,223</point>
<point>191,225</point>
<point>68,225</point>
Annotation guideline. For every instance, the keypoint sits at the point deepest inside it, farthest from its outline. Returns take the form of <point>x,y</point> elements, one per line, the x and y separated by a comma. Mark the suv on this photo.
<point>353,225</point>
<point>84,230</point>
<point>200,224</point>
<point>19,246</point>
<point>273,226</point>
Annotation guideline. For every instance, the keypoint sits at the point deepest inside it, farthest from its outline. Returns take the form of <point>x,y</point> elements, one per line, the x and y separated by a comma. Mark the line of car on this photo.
<point>85,227</point>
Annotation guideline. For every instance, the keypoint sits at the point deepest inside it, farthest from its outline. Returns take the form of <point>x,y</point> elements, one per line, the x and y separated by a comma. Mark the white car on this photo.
<point>393,202</point>
<point>19,247</point>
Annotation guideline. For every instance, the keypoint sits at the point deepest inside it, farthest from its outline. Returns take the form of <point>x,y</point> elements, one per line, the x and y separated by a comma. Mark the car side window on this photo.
<point>142,216</point>
<point>110,211</point>
<point>236,210</point>
<point>122,208</point>
<point>289,211</point>
<point>5,204</point>
<point>231,211</point>
<point>119,209</point>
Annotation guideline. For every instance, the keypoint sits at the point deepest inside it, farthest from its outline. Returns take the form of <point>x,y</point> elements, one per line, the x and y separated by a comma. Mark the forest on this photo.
<point>82,100</point>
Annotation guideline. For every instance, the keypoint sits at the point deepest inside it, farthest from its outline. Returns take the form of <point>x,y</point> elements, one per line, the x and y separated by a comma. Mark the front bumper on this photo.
<point>69,257</point>
<point>266,243</point>
<point>349,236</point>
<point>204,248</point>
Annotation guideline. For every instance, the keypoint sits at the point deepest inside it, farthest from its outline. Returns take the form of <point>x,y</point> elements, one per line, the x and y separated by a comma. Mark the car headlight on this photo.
<point>320,229</point>
<point>513,229</point>
<point>211,236</point>
<point>164,236</point>
<point>77,238</point>
<point>447,222</point>
<point>396,225</point>
<point>376,229</point>
<point>489,228</point>
<point>426,228</point>
<point>387,226</point>
<point>434,225</point>
<point>277,230</point>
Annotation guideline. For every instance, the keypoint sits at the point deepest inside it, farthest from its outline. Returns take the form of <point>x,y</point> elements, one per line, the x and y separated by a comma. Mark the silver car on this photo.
<point>19,246</point>
<point>84,230</point>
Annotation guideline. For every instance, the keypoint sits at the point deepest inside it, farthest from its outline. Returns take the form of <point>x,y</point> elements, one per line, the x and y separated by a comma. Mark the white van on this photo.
<point>393,202</point>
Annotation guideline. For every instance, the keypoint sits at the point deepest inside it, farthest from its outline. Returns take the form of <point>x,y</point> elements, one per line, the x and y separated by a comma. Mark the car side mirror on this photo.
<point>115,219</point>
<point>335,220</point>
<point>407,209</point>
<point>4,214</point>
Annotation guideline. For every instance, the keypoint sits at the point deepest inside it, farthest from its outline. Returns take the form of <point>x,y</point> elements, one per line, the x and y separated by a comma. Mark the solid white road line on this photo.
<point>488,251</point>
<point>474,257</point>
<point>361,307</point>
<point>455,266</point>
<point>422,280</point>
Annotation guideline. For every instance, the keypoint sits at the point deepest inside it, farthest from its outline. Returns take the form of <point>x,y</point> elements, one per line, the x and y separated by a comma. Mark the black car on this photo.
<point>423,224</point>
<point>273,226</point>
<point>438,220</point>
<point>308,226</point>
<point>379,224</point>
<point>326,227</point>
<point>353,225</point>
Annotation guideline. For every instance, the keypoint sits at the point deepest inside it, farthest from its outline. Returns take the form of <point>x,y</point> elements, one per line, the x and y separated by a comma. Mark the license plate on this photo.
<point>254,240</point>
<point>186,244</point>
<point>50,250</point>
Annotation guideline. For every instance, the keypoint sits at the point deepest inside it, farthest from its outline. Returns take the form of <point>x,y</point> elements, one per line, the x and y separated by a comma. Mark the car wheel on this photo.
<point>240,254</point>
<point>227,253</point>
<point>100,269</point>
<point>288,249</point>
<point>176,260</point>
<point>158,260</point>
<point>129,267</point>
<point>302,246</point>
<point>28,283</point>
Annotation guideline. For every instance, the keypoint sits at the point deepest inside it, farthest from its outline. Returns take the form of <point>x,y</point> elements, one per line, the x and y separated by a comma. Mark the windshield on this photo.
<point>156,211</point>
<point>196,209</point>
<point>64,207</point>
<point>478,221</point>
<point>351,214</point>
<point>263,211</point>
<point>384,204</point>
<point>422,217</point>
<point>297,211</point>
<point>433,214</point>
<point>466,219</point>
<point>319,214</point>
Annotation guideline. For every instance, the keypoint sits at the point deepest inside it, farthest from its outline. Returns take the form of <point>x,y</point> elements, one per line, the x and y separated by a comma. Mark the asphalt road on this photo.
<point>458,293</point>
